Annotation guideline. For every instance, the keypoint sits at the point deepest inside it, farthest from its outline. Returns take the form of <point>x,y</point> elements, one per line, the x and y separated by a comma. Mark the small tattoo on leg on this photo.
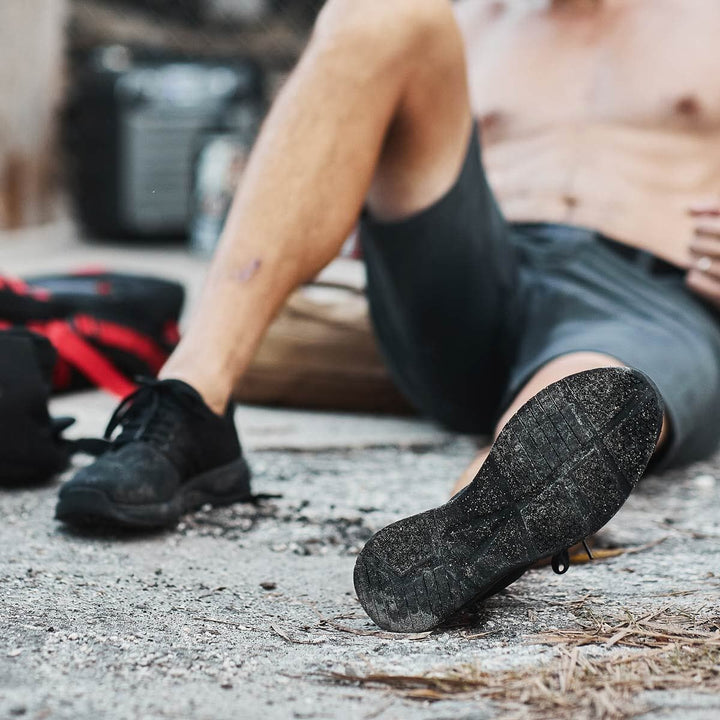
<point>248,272</point>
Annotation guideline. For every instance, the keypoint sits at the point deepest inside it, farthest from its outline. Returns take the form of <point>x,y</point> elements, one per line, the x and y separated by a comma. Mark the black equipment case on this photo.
<point>132,128</point>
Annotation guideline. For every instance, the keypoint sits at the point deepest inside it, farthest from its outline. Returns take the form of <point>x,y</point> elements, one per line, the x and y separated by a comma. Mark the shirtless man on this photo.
<point>563,320</point>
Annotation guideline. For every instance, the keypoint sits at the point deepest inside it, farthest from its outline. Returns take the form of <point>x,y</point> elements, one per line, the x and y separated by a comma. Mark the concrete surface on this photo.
<point>243,611</point>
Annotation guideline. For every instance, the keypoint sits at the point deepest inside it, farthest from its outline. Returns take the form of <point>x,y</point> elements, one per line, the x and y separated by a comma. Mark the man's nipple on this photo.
<point>688,106</point>
<point>492,121</point>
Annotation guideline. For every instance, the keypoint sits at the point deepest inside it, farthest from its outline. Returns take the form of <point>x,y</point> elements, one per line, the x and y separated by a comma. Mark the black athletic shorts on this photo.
<point>467,307</point>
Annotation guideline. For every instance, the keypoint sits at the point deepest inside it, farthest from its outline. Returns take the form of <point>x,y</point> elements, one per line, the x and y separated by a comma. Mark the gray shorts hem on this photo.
<point>674,454</point>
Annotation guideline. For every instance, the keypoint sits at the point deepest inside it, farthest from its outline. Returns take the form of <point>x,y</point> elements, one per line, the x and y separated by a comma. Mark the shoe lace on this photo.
<point>561,561</point>
<point>147,414</point>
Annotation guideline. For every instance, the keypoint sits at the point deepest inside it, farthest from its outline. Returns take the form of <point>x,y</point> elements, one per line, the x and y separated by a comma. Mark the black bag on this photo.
<point>65,332</point>
<point>31,447</point>
<point>106,328</point>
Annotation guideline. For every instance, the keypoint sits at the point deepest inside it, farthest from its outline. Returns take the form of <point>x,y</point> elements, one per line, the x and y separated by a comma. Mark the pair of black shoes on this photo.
<point>562,467</point>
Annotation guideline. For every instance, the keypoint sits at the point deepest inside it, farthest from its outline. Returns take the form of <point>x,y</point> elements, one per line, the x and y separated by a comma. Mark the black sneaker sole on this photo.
<point>92,507</point>
<point>561,468</point>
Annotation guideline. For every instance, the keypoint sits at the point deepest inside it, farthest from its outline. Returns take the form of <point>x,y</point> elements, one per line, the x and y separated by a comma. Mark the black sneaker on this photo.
<point>561,468</point>
<point>173,455</point>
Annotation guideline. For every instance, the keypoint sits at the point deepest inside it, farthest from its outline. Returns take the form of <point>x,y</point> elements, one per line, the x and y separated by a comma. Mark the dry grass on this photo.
<point>599,673</point>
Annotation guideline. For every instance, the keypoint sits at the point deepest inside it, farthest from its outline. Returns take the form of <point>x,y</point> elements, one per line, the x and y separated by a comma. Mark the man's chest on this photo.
<point>640,63</point>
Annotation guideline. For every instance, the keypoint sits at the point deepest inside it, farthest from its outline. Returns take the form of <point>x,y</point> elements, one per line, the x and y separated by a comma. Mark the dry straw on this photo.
<point>601,670</point>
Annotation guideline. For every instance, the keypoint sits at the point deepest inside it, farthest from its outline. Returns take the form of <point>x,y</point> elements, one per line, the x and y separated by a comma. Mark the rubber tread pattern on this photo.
<point>560,470</point>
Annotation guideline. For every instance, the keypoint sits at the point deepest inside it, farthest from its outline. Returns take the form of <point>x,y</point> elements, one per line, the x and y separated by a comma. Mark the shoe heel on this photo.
<point>221,486</point>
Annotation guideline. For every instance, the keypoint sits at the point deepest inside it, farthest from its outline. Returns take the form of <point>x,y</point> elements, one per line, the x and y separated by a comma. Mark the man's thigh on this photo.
<point>442,288</point>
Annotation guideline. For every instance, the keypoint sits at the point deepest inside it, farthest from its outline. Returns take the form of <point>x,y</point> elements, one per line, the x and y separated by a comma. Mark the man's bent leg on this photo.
<point>377,107</point>
<point>555,370</point>
<point>380,94</point>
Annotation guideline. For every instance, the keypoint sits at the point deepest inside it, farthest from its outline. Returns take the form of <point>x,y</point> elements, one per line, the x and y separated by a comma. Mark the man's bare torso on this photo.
<point>600,114</point>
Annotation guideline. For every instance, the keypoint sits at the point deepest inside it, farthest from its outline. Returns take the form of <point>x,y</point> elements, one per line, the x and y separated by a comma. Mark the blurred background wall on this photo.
<point>32,41</point>
<point>50,48</point>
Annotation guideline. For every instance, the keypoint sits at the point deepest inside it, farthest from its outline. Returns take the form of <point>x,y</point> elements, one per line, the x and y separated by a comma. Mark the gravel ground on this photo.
<point>245,611</point>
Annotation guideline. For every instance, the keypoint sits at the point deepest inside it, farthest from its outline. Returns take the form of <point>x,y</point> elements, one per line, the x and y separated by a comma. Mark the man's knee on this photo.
<point>387,28</point>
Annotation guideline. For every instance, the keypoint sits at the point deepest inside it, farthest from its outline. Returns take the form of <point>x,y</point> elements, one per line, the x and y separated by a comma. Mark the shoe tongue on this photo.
<point>155,400</point>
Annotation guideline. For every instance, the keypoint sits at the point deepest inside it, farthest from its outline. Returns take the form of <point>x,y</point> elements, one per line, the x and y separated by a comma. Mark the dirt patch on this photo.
<point>341,535</point>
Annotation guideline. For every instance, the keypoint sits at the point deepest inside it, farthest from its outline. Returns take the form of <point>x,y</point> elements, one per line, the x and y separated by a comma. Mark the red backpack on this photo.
<point>107,328</point>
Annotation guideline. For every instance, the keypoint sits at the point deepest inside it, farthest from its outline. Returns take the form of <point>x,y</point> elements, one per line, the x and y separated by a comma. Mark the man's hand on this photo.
<point>704,277</point>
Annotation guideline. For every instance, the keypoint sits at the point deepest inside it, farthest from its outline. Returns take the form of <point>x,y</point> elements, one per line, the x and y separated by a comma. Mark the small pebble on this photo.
<point>705,482</point>
<point>268,585</point>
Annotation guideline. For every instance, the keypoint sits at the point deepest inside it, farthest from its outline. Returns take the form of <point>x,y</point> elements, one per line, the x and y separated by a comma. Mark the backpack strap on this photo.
<point>121,337</point>
<point>84,357</point>
<point>87,446</point>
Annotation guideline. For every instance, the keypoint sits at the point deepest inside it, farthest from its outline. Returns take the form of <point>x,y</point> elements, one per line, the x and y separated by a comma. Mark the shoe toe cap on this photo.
<point>133,475</point>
